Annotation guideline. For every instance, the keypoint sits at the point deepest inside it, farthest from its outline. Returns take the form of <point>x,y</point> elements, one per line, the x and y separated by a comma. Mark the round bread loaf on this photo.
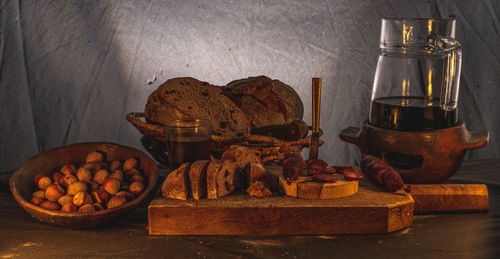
<point>188,98</point>
<point>265,101</point>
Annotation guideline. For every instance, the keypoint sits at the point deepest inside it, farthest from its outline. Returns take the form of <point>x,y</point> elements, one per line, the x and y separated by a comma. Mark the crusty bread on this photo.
<point>229,179</point>
<point>177,186</point>
<point>212,169</point>
<point>255,172</point>
<point>241,155</point>
<point>259,189</point>
<point>198,179</point>
<point>189,98</point>
<point>265,101</point>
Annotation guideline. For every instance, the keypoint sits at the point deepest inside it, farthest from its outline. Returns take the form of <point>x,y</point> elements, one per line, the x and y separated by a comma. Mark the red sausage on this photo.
<point>329,178</point>
<point>329,170</point>
<point>351,175</point>
<point>315,166</point>
<point>341,168</point>
<point>382,173</point>
<point>292,166</point>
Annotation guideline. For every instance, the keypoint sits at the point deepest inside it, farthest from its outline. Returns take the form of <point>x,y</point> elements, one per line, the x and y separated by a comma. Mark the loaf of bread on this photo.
<point>198,179</point>
<point>177,186</point>
<point>265,101</point>
<point>189,98</point>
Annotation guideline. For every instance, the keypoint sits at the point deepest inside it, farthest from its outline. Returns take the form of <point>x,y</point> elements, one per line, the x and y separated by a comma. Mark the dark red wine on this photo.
<point>187,150</point>
<point>408,113</point>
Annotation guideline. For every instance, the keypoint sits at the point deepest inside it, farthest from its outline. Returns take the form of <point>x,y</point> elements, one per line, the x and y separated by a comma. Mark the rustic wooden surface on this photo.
<point>371,210</point>
<point>431,198</point>
<point>455,235</point>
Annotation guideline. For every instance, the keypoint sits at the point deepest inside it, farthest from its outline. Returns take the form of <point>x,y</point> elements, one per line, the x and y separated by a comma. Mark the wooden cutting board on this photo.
<point>432,198</point>
<point>370,210</point>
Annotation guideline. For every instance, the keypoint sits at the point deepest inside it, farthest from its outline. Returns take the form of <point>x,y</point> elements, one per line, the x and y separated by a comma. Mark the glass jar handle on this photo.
<point>452,65</point>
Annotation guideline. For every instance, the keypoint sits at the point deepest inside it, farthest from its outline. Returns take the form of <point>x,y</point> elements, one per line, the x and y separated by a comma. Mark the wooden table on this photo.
<point>440,235</point>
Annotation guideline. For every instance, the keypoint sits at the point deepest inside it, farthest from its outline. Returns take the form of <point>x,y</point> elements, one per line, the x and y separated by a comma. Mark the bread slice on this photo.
<point>189,98</point>
<point>241,155</point>
<point>198,178</point>
<point>229,179</point>
<point>212,169</point>
<point>177,186</point>
<point>254,172</point>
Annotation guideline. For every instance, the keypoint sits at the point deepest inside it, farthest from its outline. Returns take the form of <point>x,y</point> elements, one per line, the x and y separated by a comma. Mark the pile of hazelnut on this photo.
<point>94,185</point>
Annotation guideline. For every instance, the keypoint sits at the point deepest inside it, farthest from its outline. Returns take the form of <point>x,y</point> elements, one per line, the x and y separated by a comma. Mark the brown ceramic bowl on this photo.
<point>22,183</point>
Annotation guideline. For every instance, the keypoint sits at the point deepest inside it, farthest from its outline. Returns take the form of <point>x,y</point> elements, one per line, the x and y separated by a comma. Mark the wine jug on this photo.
<point>417,79</point>
<point>413,123</point>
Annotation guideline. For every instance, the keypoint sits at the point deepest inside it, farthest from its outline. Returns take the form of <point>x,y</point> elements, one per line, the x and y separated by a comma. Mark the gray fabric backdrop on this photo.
<point>71,70</point>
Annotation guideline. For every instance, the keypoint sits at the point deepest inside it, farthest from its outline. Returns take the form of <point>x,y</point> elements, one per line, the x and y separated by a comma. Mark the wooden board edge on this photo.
<point>429,200</point>
<point>278,221</point>
<point>400,217</point>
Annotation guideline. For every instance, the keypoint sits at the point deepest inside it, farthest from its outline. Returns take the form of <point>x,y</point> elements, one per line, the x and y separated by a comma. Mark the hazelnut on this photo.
<point>130,163</point>
<point>117,174</point>
<point>94,157</point>
<point>56,176</point>
<point>115,165</point>
<point>86,208</point>
<point>136,188</point>
<point>39,194</point>
<point>100,196</point>
<point>94,167</point>
<point>43,182</point>
<point>54,192</point>
<point>82,198</point>
<point>67,180</point>
<point>97,206</point>
<point>77,187</point>
<point>37,200</point>
<point>68,169</point>
<point>68,208</point>
<point>101,176</point>
<point>50,205</point>
<point>83,174</point>
<point>137,178</point>
<point>66,199</point>
<point>132,172</point>
<point>129,196</point>
<point>116,201</point>
<point>93,186</point>
<point>37,179</point>
<point>112,186</point>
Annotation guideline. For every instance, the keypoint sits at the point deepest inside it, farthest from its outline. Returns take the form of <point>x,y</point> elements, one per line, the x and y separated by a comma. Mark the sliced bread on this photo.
<point>254,172</point>
<point>198,179</point>
<point>229,179</point>
<point>212,169</point>
<point>177,186</point>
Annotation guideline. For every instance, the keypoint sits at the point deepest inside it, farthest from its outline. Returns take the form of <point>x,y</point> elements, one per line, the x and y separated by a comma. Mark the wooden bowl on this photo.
<point>22,184</point>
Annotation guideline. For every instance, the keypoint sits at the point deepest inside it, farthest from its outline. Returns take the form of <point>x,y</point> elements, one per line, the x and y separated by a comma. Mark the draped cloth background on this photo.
<point>71,70</point>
